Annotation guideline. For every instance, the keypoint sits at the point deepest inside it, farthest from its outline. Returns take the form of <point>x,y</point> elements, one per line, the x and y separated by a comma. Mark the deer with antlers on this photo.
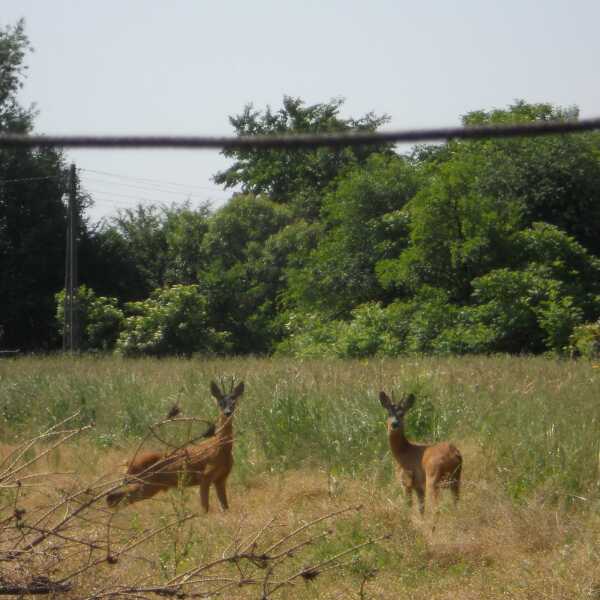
<point>422,468</point>
<point>204,464</point>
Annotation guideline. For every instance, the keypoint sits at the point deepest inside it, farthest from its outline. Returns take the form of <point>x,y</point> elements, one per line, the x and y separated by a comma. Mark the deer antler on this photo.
<point>223,380</point>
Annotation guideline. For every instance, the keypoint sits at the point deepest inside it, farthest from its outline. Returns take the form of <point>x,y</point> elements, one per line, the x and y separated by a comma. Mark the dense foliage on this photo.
<point>32,216</point>
<point>464,247</point>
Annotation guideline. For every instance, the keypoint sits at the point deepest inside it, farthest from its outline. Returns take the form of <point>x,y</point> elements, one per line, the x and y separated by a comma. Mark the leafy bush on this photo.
<point>309,335</point>
<point>585,340</point>
<point>558,316</point>
<point>532,306</point>
<point>466,337</point>
<point>372,331</point>
<point>505,302</point>
<point>100,318</point>
<point>174,320</point>
<point>432,313</point>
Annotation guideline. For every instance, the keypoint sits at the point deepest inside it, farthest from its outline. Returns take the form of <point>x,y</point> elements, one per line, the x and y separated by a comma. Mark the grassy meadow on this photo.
<point>310,440</point>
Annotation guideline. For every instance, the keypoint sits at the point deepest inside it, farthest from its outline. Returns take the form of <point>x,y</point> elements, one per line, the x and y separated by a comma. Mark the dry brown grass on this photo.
<point>489,547</point>
<point>311,440</point>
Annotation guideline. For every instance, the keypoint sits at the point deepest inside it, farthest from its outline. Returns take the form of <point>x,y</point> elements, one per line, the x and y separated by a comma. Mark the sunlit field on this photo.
<point>310,441</point>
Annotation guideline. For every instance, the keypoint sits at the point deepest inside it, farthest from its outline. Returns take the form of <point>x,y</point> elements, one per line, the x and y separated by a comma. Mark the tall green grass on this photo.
<point>535,421</point>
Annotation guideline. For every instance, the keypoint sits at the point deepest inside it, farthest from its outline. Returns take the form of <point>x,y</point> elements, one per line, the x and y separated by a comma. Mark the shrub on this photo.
<point>309,335</point>
<point>466,336</point>
<point>100,318</point>
<point>432,313</point>
<point>558,317</point>
<point>585,340</point>
<point>174,320</point>
<point>372,331</point>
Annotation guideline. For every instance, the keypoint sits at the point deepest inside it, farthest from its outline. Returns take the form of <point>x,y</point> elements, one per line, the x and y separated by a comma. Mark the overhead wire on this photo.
<point>113,202</point>
<point>275,142</point>
<point>145,179</point>
<point>147,188</point>
<point>117,195</point>
<point>26,179</point>
<point>287,142</point>
<point>128,199</point>
<point>151,189</point>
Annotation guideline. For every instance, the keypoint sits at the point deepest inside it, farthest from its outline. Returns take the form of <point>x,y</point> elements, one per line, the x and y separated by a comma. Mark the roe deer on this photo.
<point>422,468</point>
<point>203,464</point>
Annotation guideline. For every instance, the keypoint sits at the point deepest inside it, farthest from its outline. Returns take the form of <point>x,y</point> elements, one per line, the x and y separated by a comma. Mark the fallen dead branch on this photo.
<point>35,587</point>
<point>61,539</point>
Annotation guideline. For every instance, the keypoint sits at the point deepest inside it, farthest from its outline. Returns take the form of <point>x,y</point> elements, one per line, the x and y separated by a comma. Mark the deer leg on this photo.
<point>455,489</point>
<point>204,489</point>
<point>406,483</point>
<point>421,498</point>
<point>455,485</point>
<point>222,493</point>
<point>407,493</point>
<point>433,492</point>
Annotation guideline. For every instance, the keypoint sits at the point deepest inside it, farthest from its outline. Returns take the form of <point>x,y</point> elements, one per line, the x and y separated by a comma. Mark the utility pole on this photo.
<point>71,307</point>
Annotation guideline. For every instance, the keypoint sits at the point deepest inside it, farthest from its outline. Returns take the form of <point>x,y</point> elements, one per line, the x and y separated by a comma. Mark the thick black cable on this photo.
<point>301,140</point>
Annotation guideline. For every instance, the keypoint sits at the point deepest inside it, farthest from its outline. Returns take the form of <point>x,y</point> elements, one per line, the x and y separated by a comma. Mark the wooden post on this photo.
<point>71,307</point>
<point>66,304</point>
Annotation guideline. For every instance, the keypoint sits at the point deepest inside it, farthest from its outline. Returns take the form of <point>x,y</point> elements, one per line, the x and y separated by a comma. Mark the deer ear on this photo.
<point>408,401</point>
<point>385,400</point>
<point>238,391</point>
<point>215,391</point>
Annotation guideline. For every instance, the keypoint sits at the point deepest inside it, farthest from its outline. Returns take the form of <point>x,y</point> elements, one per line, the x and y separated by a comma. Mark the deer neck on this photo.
<point>399,445</point>
<point>225,432</point>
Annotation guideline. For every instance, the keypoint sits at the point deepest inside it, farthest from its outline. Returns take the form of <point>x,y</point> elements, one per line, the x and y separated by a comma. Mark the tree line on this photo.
<point>463,247</point>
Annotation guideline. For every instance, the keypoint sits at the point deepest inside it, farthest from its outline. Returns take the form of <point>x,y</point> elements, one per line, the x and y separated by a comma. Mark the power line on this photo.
<point>105,202</point>
<point>24,179</point>
<point>144,179</point>
<point>302,140</point>
<point>127,200</point>
<point>111,199</point>
<point>118,195</point>
<point>147,188</point>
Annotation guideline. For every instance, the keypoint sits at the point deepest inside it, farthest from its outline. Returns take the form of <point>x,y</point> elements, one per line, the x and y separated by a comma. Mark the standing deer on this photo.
<point>203,464</point>
<point>423,468</point>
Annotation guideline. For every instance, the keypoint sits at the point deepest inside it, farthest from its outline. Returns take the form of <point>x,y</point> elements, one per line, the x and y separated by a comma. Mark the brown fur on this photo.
<point>422,468</point>
<point>205,464</point>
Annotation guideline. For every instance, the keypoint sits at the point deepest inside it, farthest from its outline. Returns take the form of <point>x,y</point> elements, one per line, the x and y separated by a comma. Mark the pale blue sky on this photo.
<point>184,66</point>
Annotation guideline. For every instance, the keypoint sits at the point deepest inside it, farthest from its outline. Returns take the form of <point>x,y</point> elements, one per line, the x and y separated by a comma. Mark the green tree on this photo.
<point>555,179</point>
<point>462,263</point>
<point>478,195</point>
<point>241,281</point>
<point>145,248</point>
<point>32,215</point>
<point>143,235</point>
<point>298,177</point>
<point>362,223</point>
<point>534,306</point>
<point>185,229</point>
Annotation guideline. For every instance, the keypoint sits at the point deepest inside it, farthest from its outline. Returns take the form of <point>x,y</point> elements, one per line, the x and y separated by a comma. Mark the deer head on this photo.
<point>227,402</point>
<point>396,411</point>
